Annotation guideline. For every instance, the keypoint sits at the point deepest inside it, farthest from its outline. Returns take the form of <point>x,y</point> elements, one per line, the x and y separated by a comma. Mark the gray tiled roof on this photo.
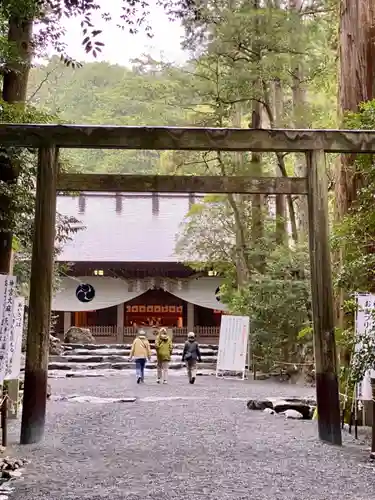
<point>126,228</point>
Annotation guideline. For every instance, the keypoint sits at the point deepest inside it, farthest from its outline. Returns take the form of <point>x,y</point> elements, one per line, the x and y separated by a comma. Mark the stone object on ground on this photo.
<point>5,488</point>
<point>299,406</point>
<point>11,468</point>
<point>304,408</point>
<point>253,404</point>
<point>75,398</point>
<point>262,376</point>
<point>292,414</point>
<point>269,411</point>
<point>11,474</point>
<point>55,346</point>
<point>77,335</point>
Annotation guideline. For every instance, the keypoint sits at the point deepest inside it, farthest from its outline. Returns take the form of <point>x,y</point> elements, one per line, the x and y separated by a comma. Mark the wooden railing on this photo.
<point>128,331</point>
<point>102,331</point>
<point>207,331</point>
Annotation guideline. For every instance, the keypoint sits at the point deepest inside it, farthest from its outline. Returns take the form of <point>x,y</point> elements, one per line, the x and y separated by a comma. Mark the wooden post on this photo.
<point>120,324</point>
<point>4,419</point>
<point>36,369</point>
<point>190,320</point>
<point>327,391</point>
<point>13,393</point>
<point>67,321</point>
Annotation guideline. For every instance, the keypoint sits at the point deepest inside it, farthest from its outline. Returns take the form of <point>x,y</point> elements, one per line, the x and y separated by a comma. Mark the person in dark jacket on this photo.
<point>190,356</point>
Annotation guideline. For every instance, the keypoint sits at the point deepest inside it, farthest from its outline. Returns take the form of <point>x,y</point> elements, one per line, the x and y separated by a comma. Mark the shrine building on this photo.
<point>122,272</point>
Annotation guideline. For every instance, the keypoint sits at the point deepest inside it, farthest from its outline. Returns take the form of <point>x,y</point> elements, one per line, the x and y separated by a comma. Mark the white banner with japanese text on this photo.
<point>365,327</point>
<point>234,337</point>
<point>15,347</point>
<point>7,294</point>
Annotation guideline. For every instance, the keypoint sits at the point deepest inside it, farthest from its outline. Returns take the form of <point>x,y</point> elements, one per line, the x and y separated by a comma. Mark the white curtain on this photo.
<point>113,291</point>
<point>108,292</point>
<point>202,292</point>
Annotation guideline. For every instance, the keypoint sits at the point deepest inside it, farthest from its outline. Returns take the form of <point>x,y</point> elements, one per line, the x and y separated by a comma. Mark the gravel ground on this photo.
<point>185,442</point>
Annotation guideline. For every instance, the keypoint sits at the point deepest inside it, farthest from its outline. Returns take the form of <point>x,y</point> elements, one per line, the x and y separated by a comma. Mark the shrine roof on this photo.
<point>126,227</point>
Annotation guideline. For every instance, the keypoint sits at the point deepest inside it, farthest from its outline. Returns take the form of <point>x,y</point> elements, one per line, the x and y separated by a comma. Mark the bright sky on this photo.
<point>121,46</point>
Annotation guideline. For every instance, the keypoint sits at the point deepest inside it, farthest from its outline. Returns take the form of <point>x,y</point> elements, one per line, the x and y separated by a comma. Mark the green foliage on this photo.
<point>242,53</point>
<point>105,94</point>
<point>278,303</point>
<point>22,193</point>
<point>207,239</point>
<point>355,233</point>
<point>276,299</point>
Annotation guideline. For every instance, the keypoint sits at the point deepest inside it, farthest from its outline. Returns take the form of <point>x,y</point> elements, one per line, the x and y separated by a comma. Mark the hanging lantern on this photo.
<point>152,283</point>
<point>138,286</point>
<point>179,285</point>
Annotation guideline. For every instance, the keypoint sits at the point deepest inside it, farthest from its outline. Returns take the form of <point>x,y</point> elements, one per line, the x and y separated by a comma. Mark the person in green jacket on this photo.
<point>164,348</point>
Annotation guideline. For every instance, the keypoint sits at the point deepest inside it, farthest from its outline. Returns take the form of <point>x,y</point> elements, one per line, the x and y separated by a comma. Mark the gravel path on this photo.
<point>185,442</point>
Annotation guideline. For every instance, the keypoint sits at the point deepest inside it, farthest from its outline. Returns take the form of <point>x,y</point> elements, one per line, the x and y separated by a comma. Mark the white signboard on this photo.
<point>364,325</point>
<point>14,366</point>
<point>234,336</point>
<point>7,292</point>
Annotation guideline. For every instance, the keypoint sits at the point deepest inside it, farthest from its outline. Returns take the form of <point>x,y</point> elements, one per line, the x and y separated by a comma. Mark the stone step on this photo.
<point>93,347</point>
<point>126,352</point>
<point>73,358</point>
<point>129,373</point>
<point>125,365</point>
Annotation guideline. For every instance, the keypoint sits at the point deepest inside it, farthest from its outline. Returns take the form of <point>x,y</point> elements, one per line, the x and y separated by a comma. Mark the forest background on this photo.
<point>253,63</point>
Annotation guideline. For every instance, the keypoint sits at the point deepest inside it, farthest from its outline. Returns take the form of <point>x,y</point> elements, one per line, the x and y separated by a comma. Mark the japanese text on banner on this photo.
<point>14,366</point>
<point>7,293</point>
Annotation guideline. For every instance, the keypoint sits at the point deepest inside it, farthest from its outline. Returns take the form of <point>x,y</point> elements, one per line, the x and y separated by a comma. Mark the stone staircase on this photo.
<point>94,357</point>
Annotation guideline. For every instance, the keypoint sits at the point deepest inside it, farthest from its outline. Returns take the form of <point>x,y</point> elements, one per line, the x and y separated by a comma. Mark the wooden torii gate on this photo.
<point>314,143</point>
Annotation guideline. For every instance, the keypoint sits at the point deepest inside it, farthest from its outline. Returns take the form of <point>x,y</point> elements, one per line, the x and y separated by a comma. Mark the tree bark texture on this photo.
<point>37,343</point>
<point>16,74</point>
<point>299,106</point>
<point>278,104</point>
<point>235,201</point>
<point>356,83</point>
<point>256,123</point>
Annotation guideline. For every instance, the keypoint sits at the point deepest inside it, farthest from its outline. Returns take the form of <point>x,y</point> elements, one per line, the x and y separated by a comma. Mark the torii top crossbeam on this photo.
<point>179,138</point>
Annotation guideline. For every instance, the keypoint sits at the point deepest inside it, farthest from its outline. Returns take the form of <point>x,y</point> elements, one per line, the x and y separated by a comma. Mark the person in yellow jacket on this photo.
<point>140,352</point>
<point>164,348</point>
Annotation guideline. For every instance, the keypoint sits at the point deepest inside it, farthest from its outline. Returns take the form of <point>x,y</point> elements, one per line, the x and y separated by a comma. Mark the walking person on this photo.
<point>164,348</point>
<point>191,355</point>
<point>140,352</point>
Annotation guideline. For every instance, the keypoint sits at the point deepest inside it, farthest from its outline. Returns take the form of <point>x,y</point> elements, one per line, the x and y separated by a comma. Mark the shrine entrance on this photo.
<point>155,308</point>
<point>313,143</point>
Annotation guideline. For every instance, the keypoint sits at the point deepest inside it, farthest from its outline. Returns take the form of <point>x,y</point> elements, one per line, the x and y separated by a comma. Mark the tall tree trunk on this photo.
<point>299,107</point>
<point>278,106</point>
<point>356,83</point>
<point>236,202</point>
<point>256,122</point>
<point>14,90</point>
<point>280,162</point>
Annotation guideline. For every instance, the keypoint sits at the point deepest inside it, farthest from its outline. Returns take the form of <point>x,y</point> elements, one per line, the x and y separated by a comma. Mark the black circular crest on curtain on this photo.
<point>85,292</point>
<point>217,294</point>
